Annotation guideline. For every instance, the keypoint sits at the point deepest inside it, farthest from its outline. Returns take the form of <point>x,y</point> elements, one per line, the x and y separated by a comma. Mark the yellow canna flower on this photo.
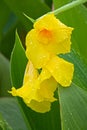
<point>37,90</point>
<point>49,38</point>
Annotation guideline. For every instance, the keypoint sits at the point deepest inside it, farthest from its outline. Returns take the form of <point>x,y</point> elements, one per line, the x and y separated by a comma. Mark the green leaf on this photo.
<point>10,111</point>
<point>76,18</point>
<point>5,82</point>
<point>73,105</point>
<point>3,124</point>
<point>18,61</point>
<point>73,100</point>
<point>37,121</point>
<point>31,8</point>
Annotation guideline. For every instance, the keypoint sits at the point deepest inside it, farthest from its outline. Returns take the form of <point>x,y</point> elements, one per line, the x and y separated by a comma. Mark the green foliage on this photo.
<point>73,107</point>
<point>4,125</point>
<point>10,111</point>
<point>73,100</point>
<point>18,54</point>
<point>5,83</point>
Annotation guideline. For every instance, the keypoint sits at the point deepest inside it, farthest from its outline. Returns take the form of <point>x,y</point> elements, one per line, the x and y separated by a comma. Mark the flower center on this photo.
<point>45,36</point>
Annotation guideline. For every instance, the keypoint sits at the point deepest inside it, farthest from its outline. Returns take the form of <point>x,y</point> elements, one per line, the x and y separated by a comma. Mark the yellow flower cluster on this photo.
<point>49,38</point>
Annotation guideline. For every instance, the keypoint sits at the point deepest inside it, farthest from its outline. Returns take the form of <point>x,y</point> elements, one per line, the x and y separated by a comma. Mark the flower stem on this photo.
<point>61,9</point>
<point>68,6</point>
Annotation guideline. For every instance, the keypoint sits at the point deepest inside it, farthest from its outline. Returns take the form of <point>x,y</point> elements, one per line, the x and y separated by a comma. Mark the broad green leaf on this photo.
<point>37,121</point>
<point>3,124</point>
<point>76,18</point>
<point>73,100</point>
<point>10,111</point>
<point>18,61</point>
<point>73,105</point>
<point>5,82</point>
<point>32,8</point>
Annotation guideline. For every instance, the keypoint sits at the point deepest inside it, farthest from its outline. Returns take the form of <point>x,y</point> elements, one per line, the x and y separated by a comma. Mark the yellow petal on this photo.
<point>53,34</point>
<point>49,22</point>
<point>57,47</point>
<point>47,89</point>
<point>61,70</point>
<point>41,107</point>
<point>26,92</point>
<point>30,85</point>
<point>47,86</point>
<point>37,90</point>
<point>31,73</point>
<point>37,106</point>
<point>13,92</point>
<point>44,75</point>
<point>35,51</point>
